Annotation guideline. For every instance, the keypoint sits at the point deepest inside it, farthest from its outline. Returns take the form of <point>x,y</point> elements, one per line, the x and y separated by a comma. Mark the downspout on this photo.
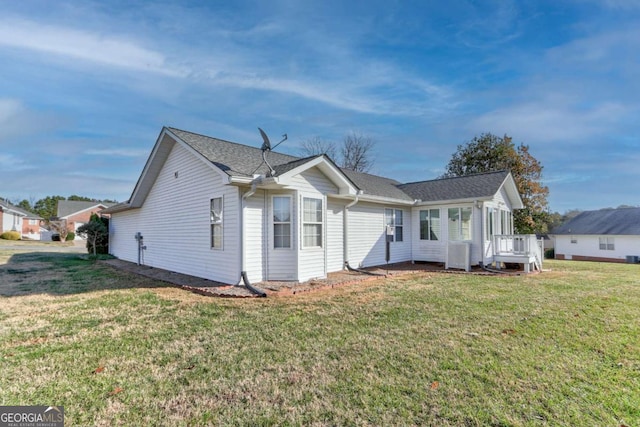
<point>243,273</point>
<point>345,239</point>
<point>345,230</point>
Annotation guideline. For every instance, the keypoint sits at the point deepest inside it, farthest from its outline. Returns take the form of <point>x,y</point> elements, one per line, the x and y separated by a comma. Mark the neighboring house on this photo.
<point>13,218</point>
<point>211,208</point>
<point>77,213</point>
<point>604,235</point>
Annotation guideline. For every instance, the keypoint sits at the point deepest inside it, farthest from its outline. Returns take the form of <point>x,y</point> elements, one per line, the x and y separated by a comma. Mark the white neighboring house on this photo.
<point>603,235</point>
<point>13,218</point>
<point>213,209</point>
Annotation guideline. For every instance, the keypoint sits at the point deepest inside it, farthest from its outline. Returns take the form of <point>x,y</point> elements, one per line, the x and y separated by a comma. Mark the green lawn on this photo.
<point>560,348</point>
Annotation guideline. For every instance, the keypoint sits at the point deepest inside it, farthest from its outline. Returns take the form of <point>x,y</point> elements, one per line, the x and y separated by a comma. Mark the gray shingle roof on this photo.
<point>377,185</point>
<point>239,160</point>
<point>286,167</point>
<point>464,187</point>
<point>69,207</point>
<point>232,158</point>
<point>621,222</point>
<point>6,205</point>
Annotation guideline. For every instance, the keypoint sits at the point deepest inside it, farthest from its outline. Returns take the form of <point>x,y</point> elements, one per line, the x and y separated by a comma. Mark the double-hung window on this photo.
<point>607,244</point>
<point>216,222</point>
<point>312,222</point>
<point>394,218</point>
<point>430,224</point>
<point>459,221</point>
<point>281,222</point>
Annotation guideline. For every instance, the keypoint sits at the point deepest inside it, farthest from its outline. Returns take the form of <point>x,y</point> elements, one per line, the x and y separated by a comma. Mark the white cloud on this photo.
<point>118,152</point>
<point>85,45</point>
<point>12,163</point>
<point>548,122</point>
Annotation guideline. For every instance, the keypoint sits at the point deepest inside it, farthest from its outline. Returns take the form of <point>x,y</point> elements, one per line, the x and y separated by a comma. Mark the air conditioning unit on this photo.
<point>459,255</point>
<point>633,259</point>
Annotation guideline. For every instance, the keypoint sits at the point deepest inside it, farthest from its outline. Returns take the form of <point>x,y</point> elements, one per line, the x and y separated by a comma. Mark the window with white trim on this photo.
<point>281,222</point>
<point>312,222</point>
<point>490,219</point>
<point>459,221</point>
<point>574,240</point>
<point>216,206</point>
<point>430,224</point>
<point>395,218</point>
<point>607,244</point>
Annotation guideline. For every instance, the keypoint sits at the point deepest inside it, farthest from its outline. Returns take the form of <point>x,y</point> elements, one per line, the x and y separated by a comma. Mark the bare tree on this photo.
<point>316,145</point>
<point>356,152</point>
<point>60,227</point>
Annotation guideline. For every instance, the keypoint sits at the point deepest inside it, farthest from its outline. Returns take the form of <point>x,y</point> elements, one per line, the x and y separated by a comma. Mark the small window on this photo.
<point>312,222</point>
<point>281,222</point>
<point>607,244</point>
<point>574,240</point>
<point>216,222</point>
<point>430,224</point>
<point>395,218</point>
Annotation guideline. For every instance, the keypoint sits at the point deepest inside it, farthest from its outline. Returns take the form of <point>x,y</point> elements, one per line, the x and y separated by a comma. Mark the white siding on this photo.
<point>175,222</point>
<point>335,235</point>
<point>313,181</point>
<point>255,236</point>
<point>367,236</point>
<point>589,246</point>
<point>11,222</point>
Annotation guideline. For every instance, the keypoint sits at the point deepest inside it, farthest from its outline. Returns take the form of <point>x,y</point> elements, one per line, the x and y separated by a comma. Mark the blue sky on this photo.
<point>85,87</point>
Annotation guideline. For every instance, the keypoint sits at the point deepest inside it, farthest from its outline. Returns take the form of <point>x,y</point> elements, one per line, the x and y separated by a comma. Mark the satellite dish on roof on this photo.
<point>266,144</point>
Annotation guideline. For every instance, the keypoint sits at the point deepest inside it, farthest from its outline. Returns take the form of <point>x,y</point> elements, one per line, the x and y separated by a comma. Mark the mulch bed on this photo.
<point>283,288</point>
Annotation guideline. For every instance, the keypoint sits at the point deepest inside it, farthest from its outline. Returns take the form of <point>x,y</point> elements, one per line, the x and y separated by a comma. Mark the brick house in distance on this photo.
<point>77,213</point>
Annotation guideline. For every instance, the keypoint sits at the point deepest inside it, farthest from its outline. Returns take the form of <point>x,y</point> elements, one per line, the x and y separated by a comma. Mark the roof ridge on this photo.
<point>230,142</point>
<point>457,177</point>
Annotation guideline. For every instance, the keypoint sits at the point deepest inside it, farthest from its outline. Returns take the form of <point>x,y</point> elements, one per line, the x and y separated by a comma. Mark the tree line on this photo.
<point>47,207</point>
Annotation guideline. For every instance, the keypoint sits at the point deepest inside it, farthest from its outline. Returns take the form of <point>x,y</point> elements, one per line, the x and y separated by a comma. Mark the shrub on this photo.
<point>96,231</point>
<point>550,253</point>
<point>70,236</point>
<point>10,235</point>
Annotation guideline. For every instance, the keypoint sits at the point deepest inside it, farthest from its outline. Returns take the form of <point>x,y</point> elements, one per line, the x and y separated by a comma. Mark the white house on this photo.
<point>213,209</point>
<point>603,235</point>
<point>13,218</point>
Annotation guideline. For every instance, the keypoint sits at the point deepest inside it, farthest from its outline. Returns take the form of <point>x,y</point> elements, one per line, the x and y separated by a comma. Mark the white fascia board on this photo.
<point>454,201</point>
<point>512,189</point>
<point>159,154</point>
<point>387,200</point>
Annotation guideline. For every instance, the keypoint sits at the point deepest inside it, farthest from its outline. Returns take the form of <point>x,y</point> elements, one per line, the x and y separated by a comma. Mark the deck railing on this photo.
<point>519,245</point>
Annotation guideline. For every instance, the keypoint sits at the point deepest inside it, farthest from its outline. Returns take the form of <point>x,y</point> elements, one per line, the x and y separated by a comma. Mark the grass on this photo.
<point>557,349</point>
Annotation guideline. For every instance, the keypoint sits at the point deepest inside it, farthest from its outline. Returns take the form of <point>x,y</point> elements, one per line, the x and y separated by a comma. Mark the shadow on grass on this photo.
<point>58,273</point>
